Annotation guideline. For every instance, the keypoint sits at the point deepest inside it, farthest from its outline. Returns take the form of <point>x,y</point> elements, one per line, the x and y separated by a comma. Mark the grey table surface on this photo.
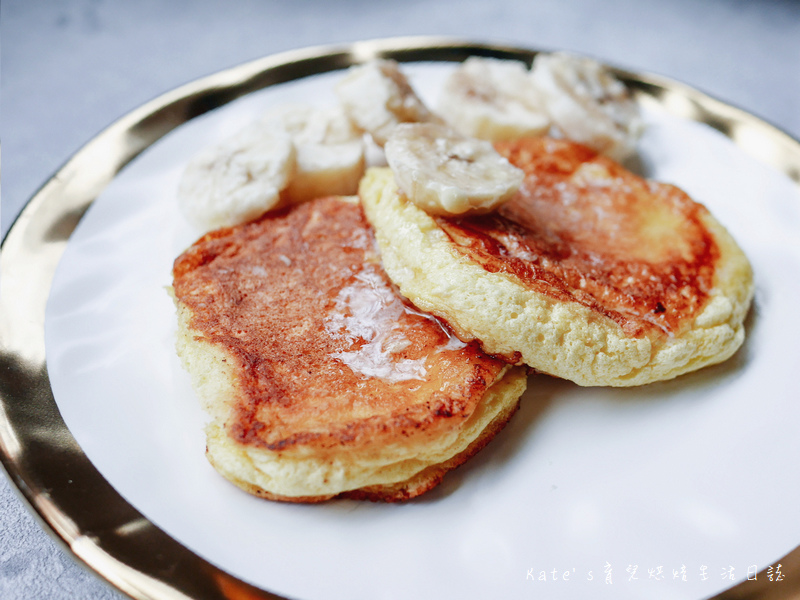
<point>71,67</point>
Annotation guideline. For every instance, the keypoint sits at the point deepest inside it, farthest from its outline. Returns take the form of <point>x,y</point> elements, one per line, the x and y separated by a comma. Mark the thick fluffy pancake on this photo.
<point>320,379</point>
<point>590,273</point>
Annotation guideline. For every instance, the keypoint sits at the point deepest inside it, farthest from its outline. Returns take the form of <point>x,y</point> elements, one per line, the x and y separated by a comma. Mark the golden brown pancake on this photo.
<point>590,272</point>
<point>320,379</point>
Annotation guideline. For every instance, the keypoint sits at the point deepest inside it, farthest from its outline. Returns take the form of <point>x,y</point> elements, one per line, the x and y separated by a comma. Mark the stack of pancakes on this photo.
<point>360,347</point>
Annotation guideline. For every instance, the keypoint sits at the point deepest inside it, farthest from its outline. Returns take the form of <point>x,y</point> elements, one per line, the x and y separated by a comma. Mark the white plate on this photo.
<point>605,493</point>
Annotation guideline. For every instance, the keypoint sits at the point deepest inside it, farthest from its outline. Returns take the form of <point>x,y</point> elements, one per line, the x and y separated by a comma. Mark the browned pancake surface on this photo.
<point>269,294</point>
<point>582,228</point>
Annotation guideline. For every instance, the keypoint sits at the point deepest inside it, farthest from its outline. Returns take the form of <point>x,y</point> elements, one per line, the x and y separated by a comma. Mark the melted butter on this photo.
<point>367,318</point>
<point>592,174</point>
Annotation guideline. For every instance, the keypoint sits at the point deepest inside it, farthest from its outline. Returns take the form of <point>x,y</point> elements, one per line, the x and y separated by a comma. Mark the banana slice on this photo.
<point>238,179</point>
<point>445,173</point>
<point>377,96</point>
<point>587,103</point>
<point>494,100</point>
<point>330,151</point>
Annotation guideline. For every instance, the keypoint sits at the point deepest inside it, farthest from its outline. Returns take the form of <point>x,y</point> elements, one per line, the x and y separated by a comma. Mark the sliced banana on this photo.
<point>377,96</point>
<point>446,173</point>
<point>493,99</point>
<point>587,103</point>
<point>329,150</point>
<point>238,179</point>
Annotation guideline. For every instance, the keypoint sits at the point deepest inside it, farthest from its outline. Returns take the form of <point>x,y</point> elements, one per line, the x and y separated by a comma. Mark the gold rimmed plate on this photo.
<point>73,270</point>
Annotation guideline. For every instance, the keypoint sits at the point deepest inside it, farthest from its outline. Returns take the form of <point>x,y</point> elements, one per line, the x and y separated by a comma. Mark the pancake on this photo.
<point>589,273</point>
<point>320,380</point>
